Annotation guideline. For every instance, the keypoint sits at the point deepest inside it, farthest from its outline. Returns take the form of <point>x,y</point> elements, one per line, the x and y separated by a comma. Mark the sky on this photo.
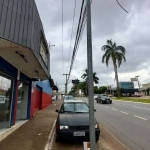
<point>130,30</point>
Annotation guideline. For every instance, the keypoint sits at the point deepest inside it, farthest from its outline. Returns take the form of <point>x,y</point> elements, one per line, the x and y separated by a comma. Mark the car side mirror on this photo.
<point>94,110</point>
<point>57,110</point>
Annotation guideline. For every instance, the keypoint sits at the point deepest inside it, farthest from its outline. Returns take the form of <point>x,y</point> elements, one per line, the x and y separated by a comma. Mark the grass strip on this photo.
<point>143,100</point>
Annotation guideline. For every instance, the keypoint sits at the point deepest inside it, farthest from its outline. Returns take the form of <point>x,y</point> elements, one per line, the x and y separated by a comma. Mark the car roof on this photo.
<point>75,101</point>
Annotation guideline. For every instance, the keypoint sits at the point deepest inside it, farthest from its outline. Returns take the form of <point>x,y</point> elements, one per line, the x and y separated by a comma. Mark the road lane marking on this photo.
<point>106,107</point>
<point>124,112</point>
<point>141,108</point>
<point>140,117</point>
<point>114,109</point>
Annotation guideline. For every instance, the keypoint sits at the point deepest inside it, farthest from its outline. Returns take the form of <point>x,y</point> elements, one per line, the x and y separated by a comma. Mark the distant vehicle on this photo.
<point>96,95</point>
<point>68,98</point>
<point>73,122</point>
<point>54,98</point>
<point>103,98</point>
<point>137,94</point>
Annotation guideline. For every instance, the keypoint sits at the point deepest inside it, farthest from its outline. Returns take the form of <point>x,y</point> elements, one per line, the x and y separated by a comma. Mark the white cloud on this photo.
<point>109,21</point>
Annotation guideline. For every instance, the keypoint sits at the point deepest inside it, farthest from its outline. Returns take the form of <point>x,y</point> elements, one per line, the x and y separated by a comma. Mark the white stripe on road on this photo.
<point>114,109</point>
<point>106,107</point>
<point>141,108</point>
<point>124,112</point>
<point>140,117</point>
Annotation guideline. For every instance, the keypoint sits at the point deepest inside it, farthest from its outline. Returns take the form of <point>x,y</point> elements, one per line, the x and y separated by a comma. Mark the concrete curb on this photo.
<point>49,142</point>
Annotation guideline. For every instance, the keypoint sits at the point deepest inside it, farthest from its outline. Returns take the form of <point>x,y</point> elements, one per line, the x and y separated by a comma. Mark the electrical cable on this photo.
<point>77,37</point>
<point>121,6</point>
<point>80,29</point>
<point>62,38</point>
<point>72,30</point>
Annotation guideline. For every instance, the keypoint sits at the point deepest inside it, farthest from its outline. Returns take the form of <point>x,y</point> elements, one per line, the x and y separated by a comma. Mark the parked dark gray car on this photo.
<point>73,122</point>
<point>102,98</point>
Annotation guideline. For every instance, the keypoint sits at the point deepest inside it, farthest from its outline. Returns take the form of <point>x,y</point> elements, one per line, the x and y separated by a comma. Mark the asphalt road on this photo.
<point>127,121</point>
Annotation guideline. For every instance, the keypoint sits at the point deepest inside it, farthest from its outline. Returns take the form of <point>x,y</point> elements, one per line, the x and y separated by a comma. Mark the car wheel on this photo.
<point>110,102</point>
<point>101,102</point>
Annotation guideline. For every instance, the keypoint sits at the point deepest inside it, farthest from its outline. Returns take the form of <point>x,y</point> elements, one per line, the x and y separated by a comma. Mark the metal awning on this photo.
<point>22,58</point>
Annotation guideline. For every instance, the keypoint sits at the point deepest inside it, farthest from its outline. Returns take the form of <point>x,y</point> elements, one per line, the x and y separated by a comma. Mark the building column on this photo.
<point>29,100</point>
<point>15,98</point>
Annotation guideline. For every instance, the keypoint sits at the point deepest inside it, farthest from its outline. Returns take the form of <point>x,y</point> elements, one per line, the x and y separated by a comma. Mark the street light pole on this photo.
<point>90,78</point>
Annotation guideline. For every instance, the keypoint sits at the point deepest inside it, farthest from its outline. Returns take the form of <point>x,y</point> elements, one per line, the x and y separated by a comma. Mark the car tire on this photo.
<point>110,103</point>
<point>101,102</point>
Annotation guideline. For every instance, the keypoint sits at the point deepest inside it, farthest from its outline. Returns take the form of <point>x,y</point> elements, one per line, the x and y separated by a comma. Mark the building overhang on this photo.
<point>129,90</point>
<point>22,58</point>
<point>55,88</point>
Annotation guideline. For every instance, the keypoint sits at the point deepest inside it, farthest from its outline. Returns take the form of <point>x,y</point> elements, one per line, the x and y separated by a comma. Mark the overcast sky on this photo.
<point>109,21</point>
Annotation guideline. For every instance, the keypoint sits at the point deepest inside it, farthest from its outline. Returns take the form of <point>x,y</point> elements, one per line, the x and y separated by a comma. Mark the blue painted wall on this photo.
<point>45,85</point>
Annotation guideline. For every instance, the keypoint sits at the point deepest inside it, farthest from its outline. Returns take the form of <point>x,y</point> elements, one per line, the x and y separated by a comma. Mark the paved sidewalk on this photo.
<point>33,135</point>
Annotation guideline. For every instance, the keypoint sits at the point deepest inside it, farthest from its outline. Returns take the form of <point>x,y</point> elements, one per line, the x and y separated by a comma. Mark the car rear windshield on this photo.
<point>69,98</point>
<point>74,108</point>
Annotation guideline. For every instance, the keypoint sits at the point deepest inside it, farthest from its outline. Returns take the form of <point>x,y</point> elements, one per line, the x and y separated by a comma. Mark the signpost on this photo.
<point>90,78</point>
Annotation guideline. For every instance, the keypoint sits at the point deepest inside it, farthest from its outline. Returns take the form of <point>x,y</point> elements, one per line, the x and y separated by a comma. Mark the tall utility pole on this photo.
<point>90,78</point>
<point>66,84</point>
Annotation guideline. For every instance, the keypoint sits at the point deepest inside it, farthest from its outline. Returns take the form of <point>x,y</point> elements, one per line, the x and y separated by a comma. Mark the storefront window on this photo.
<point>22,101</point>
<point>6,89</point>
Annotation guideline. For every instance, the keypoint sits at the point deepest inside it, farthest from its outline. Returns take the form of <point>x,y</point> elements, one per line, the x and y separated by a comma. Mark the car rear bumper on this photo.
<point>67,135</point>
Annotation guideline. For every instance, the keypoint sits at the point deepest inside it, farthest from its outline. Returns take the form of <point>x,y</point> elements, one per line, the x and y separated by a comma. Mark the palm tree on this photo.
<point>85,76</point>
<point>117,54</point>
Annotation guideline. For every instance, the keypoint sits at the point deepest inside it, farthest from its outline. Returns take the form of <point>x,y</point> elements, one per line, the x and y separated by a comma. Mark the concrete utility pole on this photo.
<point>90,78</point>
<point>66,84</point>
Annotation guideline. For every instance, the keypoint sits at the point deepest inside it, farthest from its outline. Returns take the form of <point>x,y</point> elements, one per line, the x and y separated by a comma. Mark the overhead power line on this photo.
<point>121,6</point>
<point>78,34</point>
<point>72,30</point>
<point>62,35</point>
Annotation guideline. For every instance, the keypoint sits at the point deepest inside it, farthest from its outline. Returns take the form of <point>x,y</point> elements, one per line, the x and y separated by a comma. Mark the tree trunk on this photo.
<point>117,81</point>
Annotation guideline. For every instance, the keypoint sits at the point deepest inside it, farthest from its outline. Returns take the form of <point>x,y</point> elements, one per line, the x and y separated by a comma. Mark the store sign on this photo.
<point>43,53</point>
<point>134,79</point>
<point>75,81</point>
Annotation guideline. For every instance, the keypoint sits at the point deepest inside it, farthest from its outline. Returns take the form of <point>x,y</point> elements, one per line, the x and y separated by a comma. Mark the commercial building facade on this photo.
<point>24,58</point>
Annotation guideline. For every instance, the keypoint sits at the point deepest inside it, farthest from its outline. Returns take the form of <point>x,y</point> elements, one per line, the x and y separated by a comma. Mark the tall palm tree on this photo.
<point>117,54</point>
<point>85,76</point>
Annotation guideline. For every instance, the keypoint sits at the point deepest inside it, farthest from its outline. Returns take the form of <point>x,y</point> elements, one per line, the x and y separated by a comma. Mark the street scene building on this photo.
<point>25,81</point>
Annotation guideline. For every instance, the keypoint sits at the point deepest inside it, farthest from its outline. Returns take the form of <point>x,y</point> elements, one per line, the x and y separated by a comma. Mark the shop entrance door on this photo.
<point>6,90</point>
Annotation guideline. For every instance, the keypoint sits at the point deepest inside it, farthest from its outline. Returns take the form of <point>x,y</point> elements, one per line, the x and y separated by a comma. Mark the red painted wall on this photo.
<point>37,103</point>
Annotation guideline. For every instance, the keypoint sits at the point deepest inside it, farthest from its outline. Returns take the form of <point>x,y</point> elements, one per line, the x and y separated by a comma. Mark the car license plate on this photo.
<point>78,133</point>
